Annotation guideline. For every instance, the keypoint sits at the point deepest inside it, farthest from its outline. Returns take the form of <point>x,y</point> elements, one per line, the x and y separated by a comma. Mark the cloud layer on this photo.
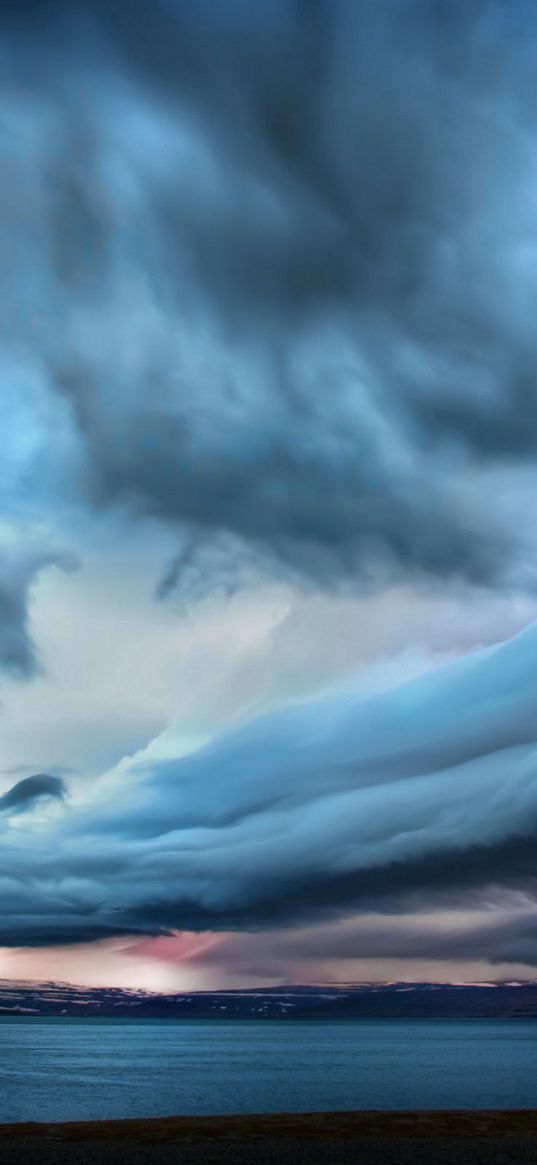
<point>280,300</point>
<point>424,794</point>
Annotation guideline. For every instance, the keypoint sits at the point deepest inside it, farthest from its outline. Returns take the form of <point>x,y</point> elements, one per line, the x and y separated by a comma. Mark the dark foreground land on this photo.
<point>438,1138</point>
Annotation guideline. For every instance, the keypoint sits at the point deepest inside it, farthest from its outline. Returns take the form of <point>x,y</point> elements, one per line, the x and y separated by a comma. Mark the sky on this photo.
<point>268,562</point>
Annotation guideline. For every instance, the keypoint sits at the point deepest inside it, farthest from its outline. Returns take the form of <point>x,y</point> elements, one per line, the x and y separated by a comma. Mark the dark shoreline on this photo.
<point>316,1125</point>
<point>378,1138</point>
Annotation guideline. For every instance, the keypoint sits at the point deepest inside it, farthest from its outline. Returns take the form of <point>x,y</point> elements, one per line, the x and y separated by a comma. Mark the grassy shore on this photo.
<point>434,1138</point>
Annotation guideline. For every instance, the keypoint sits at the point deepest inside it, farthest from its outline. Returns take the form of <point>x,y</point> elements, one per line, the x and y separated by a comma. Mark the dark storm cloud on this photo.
<point>26,792</point>
<point>423,796</point>
<point>277,261</point>
<point>505,935</point>
<point>498,938</point>
<point>19,570</point>
<point>270,277</point>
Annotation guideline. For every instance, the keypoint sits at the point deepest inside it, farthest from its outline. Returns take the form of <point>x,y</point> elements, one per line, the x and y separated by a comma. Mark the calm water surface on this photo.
<point>69,1069</point>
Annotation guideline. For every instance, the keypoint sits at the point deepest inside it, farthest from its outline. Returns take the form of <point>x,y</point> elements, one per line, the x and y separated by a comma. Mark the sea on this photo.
<point>79,1069</point>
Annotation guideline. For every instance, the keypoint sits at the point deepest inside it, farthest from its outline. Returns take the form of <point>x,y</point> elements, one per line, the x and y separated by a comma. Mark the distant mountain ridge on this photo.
<point>350,1001</point>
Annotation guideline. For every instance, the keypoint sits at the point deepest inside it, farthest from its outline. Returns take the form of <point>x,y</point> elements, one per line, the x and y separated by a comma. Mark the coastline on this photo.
<point>370,1138</point>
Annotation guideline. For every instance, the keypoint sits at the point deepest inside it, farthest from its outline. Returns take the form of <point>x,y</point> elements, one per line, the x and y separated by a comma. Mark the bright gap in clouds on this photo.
<point>119,670</point>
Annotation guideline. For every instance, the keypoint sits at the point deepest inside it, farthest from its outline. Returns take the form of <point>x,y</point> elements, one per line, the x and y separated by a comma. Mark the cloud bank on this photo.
<point>423,795</point>
<point>281,299</point>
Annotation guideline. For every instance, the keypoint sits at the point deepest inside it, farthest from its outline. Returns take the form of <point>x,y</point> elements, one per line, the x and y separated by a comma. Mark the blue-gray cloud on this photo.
<point>20,566</point>
<point>29,790</point>
<point>282,300</point>
<point>423,795</point>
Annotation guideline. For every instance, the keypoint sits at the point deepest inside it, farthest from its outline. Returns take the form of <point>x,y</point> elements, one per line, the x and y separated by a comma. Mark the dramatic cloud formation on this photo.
<point>280,299</point>
<point>419,795</point>
<point>269,291</point>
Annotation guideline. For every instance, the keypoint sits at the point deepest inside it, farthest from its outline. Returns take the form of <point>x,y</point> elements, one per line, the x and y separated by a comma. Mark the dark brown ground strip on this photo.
<point>333,1126</point>
<point>272,1151</point>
